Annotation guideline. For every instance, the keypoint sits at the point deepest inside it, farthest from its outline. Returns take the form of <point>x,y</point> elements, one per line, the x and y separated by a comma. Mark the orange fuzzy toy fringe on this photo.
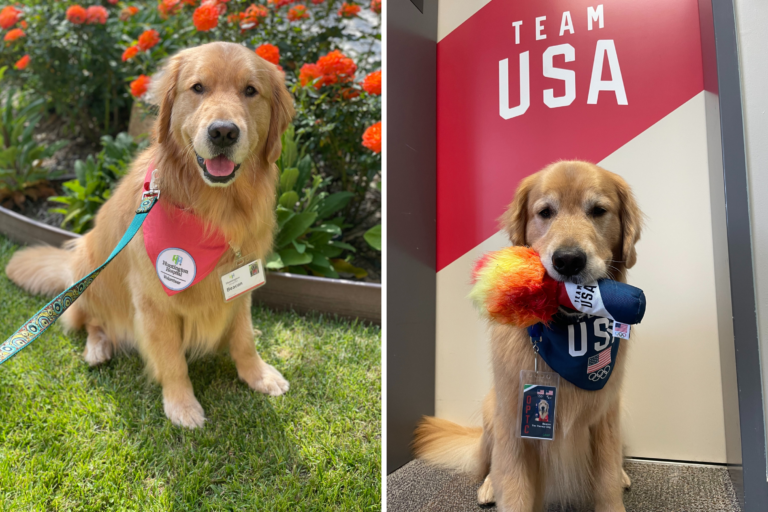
<point>511,286</point>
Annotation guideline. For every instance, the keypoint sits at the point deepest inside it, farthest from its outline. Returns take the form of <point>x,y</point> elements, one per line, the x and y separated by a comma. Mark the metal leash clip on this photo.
<point>154,190</point>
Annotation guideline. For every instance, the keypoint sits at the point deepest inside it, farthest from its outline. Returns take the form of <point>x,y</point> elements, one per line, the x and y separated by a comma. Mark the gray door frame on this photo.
<point>742,382</point>
<point>411,183</point>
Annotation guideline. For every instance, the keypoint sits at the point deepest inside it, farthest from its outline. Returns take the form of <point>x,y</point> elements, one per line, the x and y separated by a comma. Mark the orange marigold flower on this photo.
<point>130,53</point>
<point>253,16</point>
<point>336,67</point>
<point>280,3</point>
<point>189,2</point>
<point>23,24</point>
<point>269,52</point>
<point>148,39</point>
<point>309,73</point>
<point>96,14</point>
<point>376,6</point>
<point>22,62</point>
<point>372,83</point>
<point>140,86</point>
<point>168,8</point>
<point>349,93</point>
<point>206,17</point>
<point>9,16</point>
<point>14,34</point>
<point>297,12</point>
<point>220,5</point>
<point>372,138</point>
<point>126,13</point>
<point>348,10</point>
<point>76,14</point>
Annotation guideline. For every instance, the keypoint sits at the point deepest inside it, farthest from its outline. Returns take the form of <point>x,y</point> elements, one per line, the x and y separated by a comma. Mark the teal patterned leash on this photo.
<point>44,318</point>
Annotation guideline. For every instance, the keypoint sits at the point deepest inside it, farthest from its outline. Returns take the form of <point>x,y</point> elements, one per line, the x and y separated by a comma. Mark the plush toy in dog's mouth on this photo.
<point>219,169</point>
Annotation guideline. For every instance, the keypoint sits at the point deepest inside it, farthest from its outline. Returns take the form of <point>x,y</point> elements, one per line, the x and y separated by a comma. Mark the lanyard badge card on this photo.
<point>243,275</point>
<point>538,401</point>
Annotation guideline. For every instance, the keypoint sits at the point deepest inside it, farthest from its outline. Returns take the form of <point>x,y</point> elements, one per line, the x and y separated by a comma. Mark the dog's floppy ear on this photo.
<point>631,222</point>
<point>515,219</point>
<point>163,92</point>
<point>282,112</point>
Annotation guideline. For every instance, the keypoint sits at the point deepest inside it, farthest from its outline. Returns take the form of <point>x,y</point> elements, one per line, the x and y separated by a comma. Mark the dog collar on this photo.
<point>178,244</point>
<point>581,349</point>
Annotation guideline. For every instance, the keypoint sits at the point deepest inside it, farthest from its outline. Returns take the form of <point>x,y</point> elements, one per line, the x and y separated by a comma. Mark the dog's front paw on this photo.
<point>184,413</point>
<point>485,492</point>
<point>268,381</point>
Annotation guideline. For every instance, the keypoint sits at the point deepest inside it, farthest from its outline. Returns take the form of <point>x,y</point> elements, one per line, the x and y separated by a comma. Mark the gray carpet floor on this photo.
<point>656,487</point>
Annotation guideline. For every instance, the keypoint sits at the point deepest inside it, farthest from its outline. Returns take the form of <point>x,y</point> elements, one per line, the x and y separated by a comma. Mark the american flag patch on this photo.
<point>598,361</point>
<point>621,330</point>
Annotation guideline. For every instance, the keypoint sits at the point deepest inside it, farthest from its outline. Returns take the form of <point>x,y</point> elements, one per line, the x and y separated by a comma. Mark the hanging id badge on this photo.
<point>538,401</point>
<point>245,274</point>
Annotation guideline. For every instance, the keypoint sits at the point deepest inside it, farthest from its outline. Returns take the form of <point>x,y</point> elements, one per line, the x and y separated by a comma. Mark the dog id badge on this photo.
<point>538,401</point>
<point>241,277</point>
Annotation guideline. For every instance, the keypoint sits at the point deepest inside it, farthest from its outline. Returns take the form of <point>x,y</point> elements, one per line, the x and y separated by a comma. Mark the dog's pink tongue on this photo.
<point>220,166</point>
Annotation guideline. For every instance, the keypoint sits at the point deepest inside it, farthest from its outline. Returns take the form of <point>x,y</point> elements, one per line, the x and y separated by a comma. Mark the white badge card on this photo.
<point>538,401</point>
<point>241,278</point>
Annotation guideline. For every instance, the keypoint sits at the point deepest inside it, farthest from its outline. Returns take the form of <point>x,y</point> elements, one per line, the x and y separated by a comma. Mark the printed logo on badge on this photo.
<point>621,330</point>
<point>538,414</point>
<point>176,268</point>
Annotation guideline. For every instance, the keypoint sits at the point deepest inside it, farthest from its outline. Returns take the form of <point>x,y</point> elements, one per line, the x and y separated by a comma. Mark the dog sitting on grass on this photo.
<point>222,112</point>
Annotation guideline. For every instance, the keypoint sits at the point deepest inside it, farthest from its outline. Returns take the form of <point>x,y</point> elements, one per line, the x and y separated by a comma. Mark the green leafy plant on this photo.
<point>21,173</point>
<point>75,67</point>
<point>310,227</point>
<point>95,180</point>
<point>373,237</point>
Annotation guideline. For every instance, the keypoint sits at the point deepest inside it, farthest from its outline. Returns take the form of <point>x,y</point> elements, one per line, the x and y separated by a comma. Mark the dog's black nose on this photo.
<point>223,133</point>
<point>570,261</point>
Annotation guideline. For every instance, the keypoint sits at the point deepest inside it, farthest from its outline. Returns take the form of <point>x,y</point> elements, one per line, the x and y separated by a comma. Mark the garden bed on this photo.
<point>283,291</point>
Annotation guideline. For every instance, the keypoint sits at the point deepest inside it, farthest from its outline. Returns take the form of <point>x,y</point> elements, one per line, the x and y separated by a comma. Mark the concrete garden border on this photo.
<point>283,291</point>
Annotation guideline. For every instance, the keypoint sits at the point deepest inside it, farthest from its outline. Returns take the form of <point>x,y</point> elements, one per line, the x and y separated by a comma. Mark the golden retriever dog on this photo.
<point>584,222</point>
<point>219,105</point>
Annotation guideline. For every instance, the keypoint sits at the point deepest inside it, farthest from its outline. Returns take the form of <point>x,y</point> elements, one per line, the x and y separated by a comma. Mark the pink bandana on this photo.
<point>177,246</point>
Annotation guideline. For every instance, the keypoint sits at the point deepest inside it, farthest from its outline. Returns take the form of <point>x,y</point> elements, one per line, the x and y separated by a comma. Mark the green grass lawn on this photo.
<point>76,438</point>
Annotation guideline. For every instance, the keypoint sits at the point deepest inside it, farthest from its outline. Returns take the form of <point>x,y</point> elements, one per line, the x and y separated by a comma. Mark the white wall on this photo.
<point>752,28</point>
<point>452,13</point>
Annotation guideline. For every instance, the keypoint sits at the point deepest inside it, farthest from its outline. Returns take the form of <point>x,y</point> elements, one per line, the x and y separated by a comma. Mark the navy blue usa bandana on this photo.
<point>582,349</point>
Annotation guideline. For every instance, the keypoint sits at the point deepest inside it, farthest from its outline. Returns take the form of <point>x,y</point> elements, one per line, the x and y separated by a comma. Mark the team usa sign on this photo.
<point>523,83</point>
<point>605,51</point>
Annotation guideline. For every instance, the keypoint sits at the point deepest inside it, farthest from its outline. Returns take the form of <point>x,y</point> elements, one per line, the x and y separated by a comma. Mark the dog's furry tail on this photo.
<point>42,269</point>
<point>444,443</point>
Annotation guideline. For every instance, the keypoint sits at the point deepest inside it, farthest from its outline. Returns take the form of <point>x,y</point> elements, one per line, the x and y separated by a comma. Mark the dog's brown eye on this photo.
<point>198,88</point>
<point>598,211</point>
<point>545,213</point>
<point>251,91</point>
